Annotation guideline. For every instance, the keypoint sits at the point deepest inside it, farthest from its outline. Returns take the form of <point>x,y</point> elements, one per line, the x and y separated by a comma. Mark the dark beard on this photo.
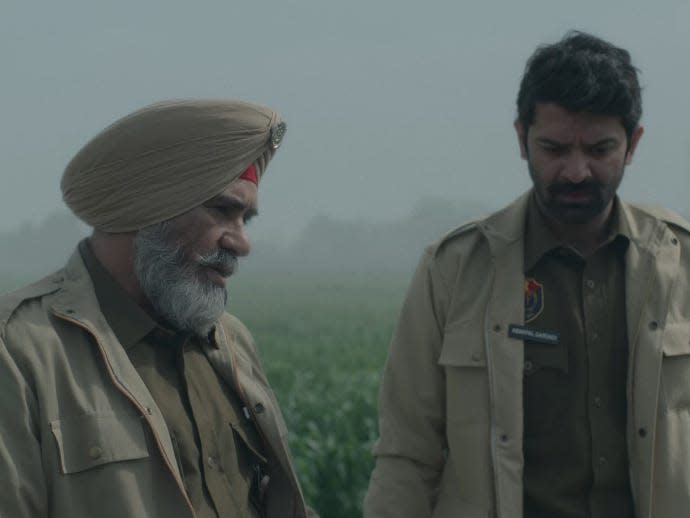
<point>596,198</point>
<point>575,212</point>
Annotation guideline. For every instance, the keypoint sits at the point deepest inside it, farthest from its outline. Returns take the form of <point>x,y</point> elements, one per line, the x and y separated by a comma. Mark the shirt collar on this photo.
<point>170,337</point>
<point>126,318</point>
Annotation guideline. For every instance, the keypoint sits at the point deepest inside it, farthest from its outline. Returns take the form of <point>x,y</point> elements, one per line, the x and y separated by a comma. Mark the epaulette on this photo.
<point>664,214</point>
<point>463,229</point>
<point>9,302</point>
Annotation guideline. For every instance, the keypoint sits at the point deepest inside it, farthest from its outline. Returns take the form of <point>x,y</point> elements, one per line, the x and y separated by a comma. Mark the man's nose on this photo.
<point>236,240</point>
<point>576,168</point>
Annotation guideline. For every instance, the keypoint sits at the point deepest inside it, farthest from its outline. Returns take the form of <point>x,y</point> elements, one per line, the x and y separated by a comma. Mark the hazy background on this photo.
<point>399,113</point>
<point>400,127</point>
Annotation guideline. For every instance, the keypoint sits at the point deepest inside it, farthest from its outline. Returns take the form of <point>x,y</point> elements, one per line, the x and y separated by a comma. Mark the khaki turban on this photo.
<point>166,159</point>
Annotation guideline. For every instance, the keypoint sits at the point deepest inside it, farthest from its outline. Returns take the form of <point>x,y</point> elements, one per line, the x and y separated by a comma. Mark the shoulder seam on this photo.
<point>12,301</point>
<point>668,216</point>
<point>463,229</point>
<point>458,231</point>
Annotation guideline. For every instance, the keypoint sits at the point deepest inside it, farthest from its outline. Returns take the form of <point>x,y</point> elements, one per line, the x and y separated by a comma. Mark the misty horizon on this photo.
<point>382,110</point>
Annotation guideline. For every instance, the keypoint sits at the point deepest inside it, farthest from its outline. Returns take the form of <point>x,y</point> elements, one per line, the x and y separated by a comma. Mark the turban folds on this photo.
<point>166,159</point>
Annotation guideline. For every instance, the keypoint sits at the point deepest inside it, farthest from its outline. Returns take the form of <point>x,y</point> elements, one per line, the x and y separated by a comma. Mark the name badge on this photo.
<point>534,335</point>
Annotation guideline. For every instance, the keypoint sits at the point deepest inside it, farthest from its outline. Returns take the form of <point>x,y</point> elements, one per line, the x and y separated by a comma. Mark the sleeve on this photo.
<point>409,453</point>
<point>24,490</point>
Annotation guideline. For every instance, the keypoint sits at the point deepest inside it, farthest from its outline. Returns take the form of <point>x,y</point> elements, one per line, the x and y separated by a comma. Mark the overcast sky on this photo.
<point>387,102</point>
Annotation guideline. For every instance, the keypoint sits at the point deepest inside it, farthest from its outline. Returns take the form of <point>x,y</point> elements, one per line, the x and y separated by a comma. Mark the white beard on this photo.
<point>175,285</point>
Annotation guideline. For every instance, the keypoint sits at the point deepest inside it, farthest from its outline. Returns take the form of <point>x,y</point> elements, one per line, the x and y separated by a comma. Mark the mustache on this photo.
<point>591,188</point>
<point>222,260</point>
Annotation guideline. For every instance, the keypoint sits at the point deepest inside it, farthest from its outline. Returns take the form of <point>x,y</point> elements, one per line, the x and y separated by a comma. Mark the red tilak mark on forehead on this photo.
<point>250,175</point>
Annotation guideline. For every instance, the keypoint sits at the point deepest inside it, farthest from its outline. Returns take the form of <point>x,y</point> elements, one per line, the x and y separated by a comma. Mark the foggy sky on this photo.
<point>387,102</point>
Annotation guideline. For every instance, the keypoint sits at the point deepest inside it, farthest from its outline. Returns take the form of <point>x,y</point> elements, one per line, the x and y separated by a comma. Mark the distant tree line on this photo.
<point>333,247</point>
<point>39,248</point>
<point>326,246</point>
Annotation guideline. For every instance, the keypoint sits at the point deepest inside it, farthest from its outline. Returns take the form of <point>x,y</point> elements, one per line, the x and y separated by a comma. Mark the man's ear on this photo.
<point>634,139</point>
<point>522,138</point>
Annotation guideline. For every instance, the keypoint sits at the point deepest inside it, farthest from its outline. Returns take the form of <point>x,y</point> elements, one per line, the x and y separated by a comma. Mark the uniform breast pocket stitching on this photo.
<point>463,346</point>
<point>675,374</point>
<point>85,442</point>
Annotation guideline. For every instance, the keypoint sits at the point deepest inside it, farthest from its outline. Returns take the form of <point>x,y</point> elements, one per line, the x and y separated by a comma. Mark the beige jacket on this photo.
<point>450,406</point>
<point>80,434</point>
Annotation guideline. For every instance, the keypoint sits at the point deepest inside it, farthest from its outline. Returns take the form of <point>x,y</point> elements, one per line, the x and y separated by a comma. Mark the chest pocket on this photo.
<point>675,371</point>
<point>93,440</point>
<point>544,356</point>
<point>463,357</point>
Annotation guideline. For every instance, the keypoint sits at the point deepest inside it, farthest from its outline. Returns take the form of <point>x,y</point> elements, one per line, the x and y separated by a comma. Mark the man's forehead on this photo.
<point>555,120</point>
<point>240,190</point>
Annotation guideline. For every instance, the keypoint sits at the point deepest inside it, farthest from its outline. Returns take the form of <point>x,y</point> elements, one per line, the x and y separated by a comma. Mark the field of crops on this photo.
<point>323,344</point>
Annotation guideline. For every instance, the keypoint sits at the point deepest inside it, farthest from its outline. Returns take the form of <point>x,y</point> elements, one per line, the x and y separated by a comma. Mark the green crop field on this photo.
<point>323,344</point>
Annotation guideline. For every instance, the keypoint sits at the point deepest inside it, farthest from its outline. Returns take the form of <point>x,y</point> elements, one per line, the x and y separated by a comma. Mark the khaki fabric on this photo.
<point>576,462</point>
<point>86,437</point>
<point>166,159</point>
<point>217,449</point>
<point>451,399</point>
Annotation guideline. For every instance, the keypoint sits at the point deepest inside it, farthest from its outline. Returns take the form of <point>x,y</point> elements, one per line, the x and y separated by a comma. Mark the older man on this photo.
<point>541,366</point>
<point>125,388</point>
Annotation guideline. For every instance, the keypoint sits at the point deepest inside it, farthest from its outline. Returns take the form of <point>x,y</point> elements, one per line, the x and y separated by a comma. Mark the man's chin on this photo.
<point>575,213</point>
<point>216,278</point>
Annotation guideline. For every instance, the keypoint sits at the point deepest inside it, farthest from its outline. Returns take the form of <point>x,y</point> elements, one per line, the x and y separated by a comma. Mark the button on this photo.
<point>259,408</point>
<point>504,437</point>
<point>212,462</point>
<point>590,284</point>
<point>597,401</point>
<point>149,411</point>
<point>95,452</point>
<point>642,432</point>
<point>497,328</point>
<point>674,241</point>
<point>528,366</point>
<point>654,325</point>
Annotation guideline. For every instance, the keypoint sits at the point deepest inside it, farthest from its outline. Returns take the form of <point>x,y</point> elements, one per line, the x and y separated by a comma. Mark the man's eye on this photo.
<point>552,150</point>
<point>600,150</point>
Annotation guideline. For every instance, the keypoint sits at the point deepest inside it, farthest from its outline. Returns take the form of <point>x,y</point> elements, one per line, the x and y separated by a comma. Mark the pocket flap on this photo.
<point>241,437</point>
<point>463,346</point>
<point>88,441</point>
<point>677,339</point>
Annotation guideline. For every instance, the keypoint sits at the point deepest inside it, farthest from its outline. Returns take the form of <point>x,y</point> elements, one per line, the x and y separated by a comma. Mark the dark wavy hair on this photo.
<point>581,73</point>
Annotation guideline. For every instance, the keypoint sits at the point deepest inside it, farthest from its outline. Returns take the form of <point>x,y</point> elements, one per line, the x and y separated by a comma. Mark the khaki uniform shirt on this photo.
<point>576,462</point>
<point>87,437</point>
<point>218,450</point>
<point>451,400</point>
